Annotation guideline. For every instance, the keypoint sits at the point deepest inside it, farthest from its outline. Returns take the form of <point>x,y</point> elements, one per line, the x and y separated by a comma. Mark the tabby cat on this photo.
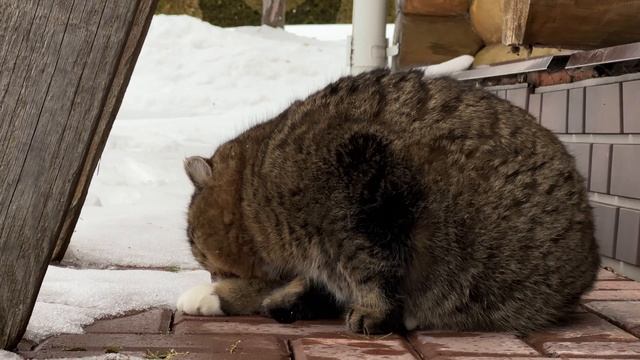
<point>401,201</point>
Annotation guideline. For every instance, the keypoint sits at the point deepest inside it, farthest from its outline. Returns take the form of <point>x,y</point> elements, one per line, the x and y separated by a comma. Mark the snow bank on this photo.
<point>70,298</point>
<point>194,86</point>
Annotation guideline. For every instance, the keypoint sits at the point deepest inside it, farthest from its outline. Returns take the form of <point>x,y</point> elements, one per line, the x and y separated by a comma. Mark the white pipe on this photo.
<point>368,41</point>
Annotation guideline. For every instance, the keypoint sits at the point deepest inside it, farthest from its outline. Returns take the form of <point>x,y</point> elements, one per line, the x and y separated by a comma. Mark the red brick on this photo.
<point>156,321</point>
<point>605,274</point>
<point>260,325</point>
<point>617,285</point>
<point>490,358</point>
<point>267,346</point>
<point>582,327</point>
<point>595,349</point>
<point>350,349</point>
<point>129,355</point>
<point>625,313</point>
<point>484,344</point>
<point>612,295</point>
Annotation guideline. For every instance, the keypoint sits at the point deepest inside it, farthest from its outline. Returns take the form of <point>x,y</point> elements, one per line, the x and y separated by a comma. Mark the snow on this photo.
<point>72,298</point>
<point>194,86</point>
<point>446,68</point>
<point>6,355</point>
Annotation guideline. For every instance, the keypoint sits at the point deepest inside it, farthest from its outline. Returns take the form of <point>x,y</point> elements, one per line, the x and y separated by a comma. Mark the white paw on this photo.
<point>200,300</point>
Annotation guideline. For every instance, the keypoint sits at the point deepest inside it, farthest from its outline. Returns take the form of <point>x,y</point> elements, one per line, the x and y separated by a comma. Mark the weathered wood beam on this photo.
<point>114,99</point>
<point>59,66</point>
<point>273,12</point>
<point>514,23</point>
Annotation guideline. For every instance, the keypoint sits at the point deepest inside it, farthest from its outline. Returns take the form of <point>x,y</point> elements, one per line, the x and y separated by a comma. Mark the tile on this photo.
<point>606,221</point>
<point>156,321</point>
<point>624,313</point>
<point>535,100</point>
<point>237,344</point>
<point>600,168</point>
<point>554,111</point>
<point>604,274</point>
<point>518,97</point>
<point>602,109</point>
<point>616,285</point>
<point>625,171</point>
<point>582,153</point>
<point>594,349</point>
<point>431,344</point>
<point>575,118</point>
<point>581,327</point>
<point>350,349</point>
<point>628,240</point>
<point>258,326</point>
<point>631,107</point>
<point>621,295</point>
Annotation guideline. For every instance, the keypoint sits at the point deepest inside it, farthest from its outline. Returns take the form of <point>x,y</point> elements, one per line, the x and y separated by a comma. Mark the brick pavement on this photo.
<point>606,327</point>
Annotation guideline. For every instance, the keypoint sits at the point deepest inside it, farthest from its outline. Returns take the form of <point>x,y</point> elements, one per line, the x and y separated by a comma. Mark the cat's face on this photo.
<point>213,228</point>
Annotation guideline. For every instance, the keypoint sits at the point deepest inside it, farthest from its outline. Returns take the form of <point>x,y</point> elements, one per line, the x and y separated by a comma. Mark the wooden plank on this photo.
<point>114,99</point>
<point>273,12</point>
<point>56,93</point>
<point>514,22</point>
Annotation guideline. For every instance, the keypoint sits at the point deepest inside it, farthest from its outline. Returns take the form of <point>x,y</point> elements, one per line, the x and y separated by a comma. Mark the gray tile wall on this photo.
<point>610,170</point>
<point>631,111</point>
<point>602,109</point>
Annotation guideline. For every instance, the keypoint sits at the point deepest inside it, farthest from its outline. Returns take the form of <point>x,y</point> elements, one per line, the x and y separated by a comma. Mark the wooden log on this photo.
<point>114,99</point>
<point>273,12</point>
<point>498,53</point>
<point>425,40</point>
<point>486,18</point>
<point>58,62</point>
<point>584,24</point>
<point>514,22</point>
<point>435,7</point>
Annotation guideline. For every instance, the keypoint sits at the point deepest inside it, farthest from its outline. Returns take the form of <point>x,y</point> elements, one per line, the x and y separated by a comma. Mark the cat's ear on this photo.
<point>198,170</point>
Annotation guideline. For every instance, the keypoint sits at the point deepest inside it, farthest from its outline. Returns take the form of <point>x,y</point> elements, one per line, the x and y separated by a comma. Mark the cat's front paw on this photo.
<point>200,300</point>
<point>369,322</point>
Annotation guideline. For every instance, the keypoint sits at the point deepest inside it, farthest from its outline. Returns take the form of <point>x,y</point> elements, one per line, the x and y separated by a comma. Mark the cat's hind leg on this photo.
<point>301,299</point>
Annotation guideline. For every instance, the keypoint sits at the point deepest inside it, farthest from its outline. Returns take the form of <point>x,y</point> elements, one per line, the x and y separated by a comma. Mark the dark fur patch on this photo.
<point>386,194</point>
<point>315,303</point>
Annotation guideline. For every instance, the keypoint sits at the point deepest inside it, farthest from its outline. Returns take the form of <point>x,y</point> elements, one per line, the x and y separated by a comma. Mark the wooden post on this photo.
<point>273,12</point>
<point>514,22</point>
<point>114,98</point>
<point>64,67</point>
